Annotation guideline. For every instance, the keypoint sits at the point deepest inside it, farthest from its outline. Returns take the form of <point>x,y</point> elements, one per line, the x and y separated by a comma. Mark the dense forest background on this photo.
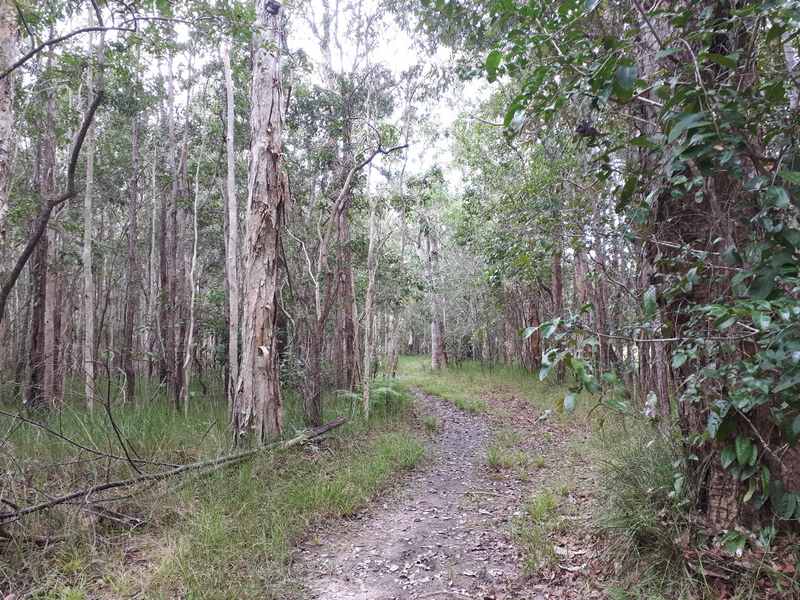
<point>262,205</point>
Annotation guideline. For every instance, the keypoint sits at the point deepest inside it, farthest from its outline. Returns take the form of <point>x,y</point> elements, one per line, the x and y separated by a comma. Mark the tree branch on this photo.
<point>211,464</point>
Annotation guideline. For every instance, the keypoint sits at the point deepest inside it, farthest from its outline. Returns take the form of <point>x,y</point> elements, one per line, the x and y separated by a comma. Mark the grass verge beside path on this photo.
<point>471,386</point>
<point>226,535</point>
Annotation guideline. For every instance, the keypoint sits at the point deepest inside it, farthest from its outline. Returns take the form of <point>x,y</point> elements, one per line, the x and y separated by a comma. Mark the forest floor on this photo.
<point>502,510</point>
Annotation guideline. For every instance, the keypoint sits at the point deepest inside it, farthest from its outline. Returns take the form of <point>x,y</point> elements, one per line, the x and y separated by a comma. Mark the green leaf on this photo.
<point>791,236</point>
<point>610,378</point>
<point>164,7</point>
<point>649,302</point>
<point>550,327</point>
<point>643,141</point>
<point>743,448</point>
<point>727,456</point>
<point>778,196</point>
<point>666,52</point>
<point>725,429</point>
<point>775,31</point>
<point>679,359</point>
<point>549,360</point>
<point>628,189</point>
<point>688,122</point>
<point>790,176</point>
<point>725,321</point>
<point>617,405</point>
<point>570,401</point>
<point>731,256</point>
<point>793,432</point>
<point>787,380</point>
<point>528,332</point>
<point>626,76</point>
<point>492,62</point>
<point>761,287</point>
<point>723,61</point>
<point>591,4</point>
<point>786,506</point>
<point>714,421</point>
<point>760,320</point>
<point>751,490</point>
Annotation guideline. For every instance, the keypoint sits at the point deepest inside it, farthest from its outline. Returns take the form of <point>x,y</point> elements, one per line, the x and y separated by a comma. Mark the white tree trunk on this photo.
<point>369,302</point>
<point>8,40</point>
<point>88,280</point>
<point>231,243</point>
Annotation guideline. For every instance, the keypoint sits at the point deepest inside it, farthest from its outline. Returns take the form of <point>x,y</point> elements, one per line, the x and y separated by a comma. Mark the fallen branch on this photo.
<point>213,463</point>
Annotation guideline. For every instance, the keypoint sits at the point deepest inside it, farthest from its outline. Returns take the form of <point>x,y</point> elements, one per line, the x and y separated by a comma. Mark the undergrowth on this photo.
<point>225,534</point>
<point>655,546</point>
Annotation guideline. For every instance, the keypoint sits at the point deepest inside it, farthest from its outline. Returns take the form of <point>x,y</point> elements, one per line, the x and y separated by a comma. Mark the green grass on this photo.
<point>506,453</point>
<point>239,545</point>
<point>430,422</point>
<point>227,534</point>
<point>470,386</point>
<point>531,530</point>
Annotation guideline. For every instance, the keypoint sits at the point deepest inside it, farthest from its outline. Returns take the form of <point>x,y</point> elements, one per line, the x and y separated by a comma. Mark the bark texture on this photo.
<point>231,240</point>
<point>9,33</point>
<point>258,410</point>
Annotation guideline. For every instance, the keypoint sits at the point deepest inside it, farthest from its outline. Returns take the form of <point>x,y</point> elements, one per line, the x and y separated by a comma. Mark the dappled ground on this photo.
<point>498,513</point>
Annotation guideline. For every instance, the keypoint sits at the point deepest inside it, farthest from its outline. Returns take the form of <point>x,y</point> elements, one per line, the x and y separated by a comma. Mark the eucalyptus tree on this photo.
<point>258,406</point>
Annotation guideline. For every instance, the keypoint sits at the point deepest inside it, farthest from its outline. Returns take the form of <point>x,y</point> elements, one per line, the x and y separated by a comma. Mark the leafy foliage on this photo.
<point>704,173</point>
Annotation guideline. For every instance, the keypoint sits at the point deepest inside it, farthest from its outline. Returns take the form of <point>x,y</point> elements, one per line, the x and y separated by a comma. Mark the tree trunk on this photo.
<point>169,236</point>
<point>88,229</point>
<point>369,302</point>
<point>258,411</point>
<point>347,300</point>
<point>558,302</point>
<point>41,363</point>
<point>311,384</point>
<point>231,241</point>
<point>8,38</point>
<point>188,350</point>
<point>427,247</point>
<point>126,359</point>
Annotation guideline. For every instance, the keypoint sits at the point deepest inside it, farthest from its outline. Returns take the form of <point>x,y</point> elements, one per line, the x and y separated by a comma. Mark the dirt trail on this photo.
<point>442,537</point>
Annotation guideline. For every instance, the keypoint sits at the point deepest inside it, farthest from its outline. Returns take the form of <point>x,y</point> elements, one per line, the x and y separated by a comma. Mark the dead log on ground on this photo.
<point>203,465</point>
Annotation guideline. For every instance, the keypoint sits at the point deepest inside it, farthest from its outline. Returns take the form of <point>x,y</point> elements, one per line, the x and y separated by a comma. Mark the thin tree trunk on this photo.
<point>258,410</point>
<point>394,355</point>
<point>170,275</point>
<point>183,295</point>
<point>231,242</point>
<point>130,294</point>
<point>369,303</point>
<point>88,228</point>
<point>154,326</point>
<point>427,252</point>
<point>8,39</point>
<point>41,350</point>
<point>558,302</point>
<point>188,350</point>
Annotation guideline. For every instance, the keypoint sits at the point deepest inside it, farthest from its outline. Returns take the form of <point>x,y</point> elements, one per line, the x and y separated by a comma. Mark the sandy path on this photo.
<point>441,537</point>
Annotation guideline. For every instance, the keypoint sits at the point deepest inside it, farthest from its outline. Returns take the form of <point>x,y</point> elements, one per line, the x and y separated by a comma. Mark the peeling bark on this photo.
<point>258,410</point>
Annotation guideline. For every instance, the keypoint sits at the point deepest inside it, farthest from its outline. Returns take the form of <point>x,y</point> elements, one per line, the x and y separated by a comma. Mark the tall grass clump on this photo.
<point>648,494</point>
